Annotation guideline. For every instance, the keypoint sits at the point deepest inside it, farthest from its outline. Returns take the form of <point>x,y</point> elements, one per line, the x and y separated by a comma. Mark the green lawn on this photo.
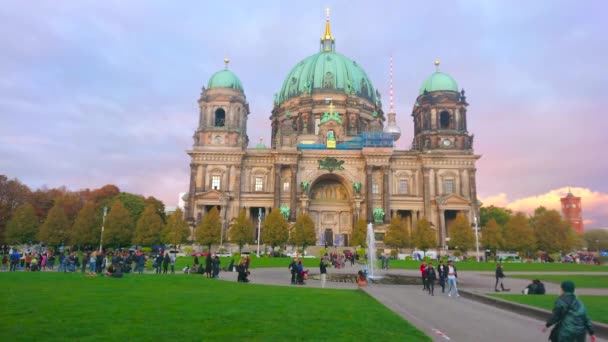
<point>51,306</point>
<point>581,281</point>
<point>414,265</point>
<point>597,306</point>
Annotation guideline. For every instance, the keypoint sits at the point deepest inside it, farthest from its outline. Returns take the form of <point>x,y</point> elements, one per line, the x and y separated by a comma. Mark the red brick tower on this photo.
<point>572,211</point>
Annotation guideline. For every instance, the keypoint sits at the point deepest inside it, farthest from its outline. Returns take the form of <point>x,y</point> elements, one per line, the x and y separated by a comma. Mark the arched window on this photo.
<point>220,117</point>
<point>444,120</point>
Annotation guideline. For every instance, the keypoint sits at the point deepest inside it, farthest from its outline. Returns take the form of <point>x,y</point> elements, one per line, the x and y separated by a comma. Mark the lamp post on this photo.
<point>259,229</point>
<point>447,245</point>
<point>103,221</point>
<point>476,238</point>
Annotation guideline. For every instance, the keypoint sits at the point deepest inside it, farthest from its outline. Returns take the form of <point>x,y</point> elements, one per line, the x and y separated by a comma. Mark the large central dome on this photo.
<point>326,71</point>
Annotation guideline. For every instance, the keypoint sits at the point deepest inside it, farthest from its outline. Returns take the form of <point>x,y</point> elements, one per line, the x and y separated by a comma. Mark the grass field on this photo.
<point>414,265</point>
<point>581,281</point>
<point>50,306</point>
<point>597,306</point>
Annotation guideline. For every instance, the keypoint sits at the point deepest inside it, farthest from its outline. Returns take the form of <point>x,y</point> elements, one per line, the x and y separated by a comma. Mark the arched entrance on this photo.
<point>331,210</point>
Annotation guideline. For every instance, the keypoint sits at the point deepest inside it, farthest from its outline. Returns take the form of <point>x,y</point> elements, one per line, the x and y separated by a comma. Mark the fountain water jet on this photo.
<point>371,251</point>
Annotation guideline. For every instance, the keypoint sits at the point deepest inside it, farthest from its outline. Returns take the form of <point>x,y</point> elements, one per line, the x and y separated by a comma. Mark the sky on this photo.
<point>105,92</point>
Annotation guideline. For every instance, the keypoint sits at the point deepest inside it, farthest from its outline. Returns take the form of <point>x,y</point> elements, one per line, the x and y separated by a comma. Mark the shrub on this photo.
<point>187,250</point>
<point>146,249</point>
<point>322,251</point>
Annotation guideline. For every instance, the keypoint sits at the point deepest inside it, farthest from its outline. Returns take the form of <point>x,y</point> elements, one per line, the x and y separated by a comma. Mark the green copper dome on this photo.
<point>439,81</point>
<point>326,71</point>
<point>225,79</point>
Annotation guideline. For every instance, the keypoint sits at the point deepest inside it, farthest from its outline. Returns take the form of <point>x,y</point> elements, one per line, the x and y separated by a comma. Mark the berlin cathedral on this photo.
<point>332,152</point>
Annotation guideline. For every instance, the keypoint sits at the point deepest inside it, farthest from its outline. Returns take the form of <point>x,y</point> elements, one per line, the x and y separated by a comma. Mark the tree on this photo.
<point>12,194</point>
<point>491,236</point>
<point>176,230</point>
<point>241,231</point>
<point>72,203</point>
<point>158,205</point>
<point>87,226</point>
<point>461,234</point>
<point>276,229</point>
<point>397,235</point>
<point>103,195</point>
<point>54,231</point>
<point>500,215</point>
<point>303,233</point>
<point>359,234</point>
<point>135,204</point>
<point>423,236</point>
<point>148,228</point>
<point>596,239</point>
<point>119,226</point>
<point>209,230</point>
<point>518,235</point>
<point>23,225</point>
<point>552,233</point>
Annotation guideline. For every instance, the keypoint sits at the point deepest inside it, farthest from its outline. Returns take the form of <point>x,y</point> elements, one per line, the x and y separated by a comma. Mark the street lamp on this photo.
<point>103,221</point>
<point>259,229</point>
<point>447,244</point>
<point>476,238</point>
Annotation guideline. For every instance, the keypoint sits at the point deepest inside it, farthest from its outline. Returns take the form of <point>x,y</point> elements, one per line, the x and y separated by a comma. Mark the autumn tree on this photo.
<point>158,205</point>
<point>500,215</point>
<point>148,228</point>
<point>596,239</point>
<point>119,226</point>
<point>72,203</point>
<point>491,236</point>
<point>241,231</point>
<point>176,230</point>
<point>303,232</point>
<point>397,235</point>
<point>359,234</point>
<point>12,194</point>
<point>276,229</point>
<point>518,235</point>
<point>423,236</point>
<point>209,230</point>
<point>54,230</point>
<point>23,225</point>
<point>135,204</point>
<point>86,229</point>
<point>552,233</point>
<point>461,234</point>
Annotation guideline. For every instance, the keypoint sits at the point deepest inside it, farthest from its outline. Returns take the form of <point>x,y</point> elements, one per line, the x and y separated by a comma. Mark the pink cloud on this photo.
<point>594,203</point>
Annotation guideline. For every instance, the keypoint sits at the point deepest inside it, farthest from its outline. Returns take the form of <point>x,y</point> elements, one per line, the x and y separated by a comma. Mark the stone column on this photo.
<point>426,186</point>
<point>199,178</point>
<point>277,186</point>
<point>386,194</point>
<point>192,191</point>
<point>370,196</point>
<point>443,228</point>
<point>294,190</point>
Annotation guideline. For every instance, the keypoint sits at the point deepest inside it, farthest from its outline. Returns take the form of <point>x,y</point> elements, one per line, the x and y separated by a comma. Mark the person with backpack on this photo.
<point>293,267</point>
<point>569,318</point>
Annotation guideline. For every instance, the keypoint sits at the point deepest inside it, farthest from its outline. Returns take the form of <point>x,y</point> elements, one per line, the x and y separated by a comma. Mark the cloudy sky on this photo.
<point>97,92</point>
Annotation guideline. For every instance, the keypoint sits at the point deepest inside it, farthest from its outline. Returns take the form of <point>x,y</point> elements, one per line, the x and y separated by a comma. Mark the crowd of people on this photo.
<point>443,274</point>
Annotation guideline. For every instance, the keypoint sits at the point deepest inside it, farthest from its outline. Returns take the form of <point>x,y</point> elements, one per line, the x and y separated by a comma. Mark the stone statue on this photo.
<point>284,211</point>
<point>357,187</point>
<point>378,215</point>
<point>304,186</point>
<point>330,135</point>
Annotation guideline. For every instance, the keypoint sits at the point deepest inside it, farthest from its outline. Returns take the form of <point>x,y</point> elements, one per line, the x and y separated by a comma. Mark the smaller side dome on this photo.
<point>439,81</point>
<point>261,144</point>
<point>225,79</point>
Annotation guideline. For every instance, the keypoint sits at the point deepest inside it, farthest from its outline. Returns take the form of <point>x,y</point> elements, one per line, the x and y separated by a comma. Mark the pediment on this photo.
<point>210,195</point>
<point>452,200</point>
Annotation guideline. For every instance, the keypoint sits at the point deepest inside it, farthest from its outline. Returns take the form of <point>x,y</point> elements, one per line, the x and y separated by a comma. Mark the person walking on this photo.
<point>158,262</point>
<point>569,318</point>
<point>499,277</point>
<point>422,270</point>
<point>452,276</point>
<point>442,272</point>
<point>293,267</point>
<point>172,263</point>
<point>431,276</point>
<point>166,261</point>
<point>323,270</point>
<point>92,262</point>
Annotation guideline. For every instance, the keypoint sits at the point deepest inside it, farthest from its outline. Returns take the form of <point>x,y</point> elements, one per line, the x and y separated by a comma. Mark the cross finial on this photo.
<point>327,10</point>
<point>437,62</point>
<point>226,61</point>
<point>391,86</point>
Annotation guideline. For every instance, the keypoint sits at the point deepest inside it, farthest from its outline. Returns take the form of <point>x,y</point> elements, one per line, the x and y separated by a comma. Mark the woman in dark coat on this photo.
<point>208,265</point>
<point>569,317</point>
<point>166,261</point>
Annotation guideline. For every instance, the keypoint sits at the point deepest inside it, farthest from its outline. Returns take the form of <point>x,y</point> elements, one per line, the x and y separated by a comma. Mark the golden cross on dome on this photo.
<point>327,10</point>
<point>226,61</point>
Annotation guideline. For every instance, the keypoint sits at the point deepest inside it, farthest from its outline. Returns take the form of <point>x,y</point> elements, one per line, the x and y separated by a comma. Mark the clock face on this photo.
<point>447,143</point>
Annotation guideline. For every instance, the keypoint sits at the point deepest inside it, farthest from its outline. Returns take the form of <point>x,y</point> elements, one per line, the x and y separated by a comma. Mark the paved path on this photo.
<point>442,318</point>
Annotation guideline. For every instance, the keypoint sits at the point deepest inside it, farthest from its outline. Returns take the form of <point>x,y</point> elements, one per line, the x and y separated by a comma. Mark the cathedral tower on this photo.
<point>440,115</point>
<point>223,113</point>
<point>572,211</point>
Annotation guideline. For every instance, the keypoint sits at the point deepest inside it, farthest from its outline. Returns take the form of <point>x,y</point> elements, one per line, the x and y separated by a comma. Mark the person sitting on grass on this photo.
<point>114,271</point>
<point>535,288</point>
<point>242,271</point>
<point>361,279</point>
